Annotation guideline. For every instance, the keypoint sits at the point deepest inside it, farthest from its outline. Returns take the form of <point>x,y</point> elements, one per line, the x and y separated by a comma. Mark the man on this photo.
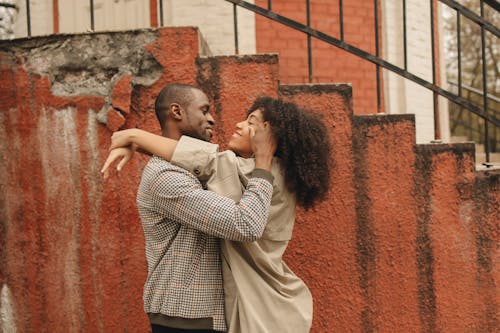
<point>183,222</point>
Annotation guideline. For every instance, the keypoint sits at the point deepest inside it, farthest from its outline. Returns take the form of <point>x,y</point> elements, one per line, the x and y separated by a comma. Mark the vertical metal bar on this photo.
<point>437,132</point>
<point>459,53</point>
<point>377,52</point>
<point>341,20</point>
<point>485,86</point>
<point>161,13</point>
<point>55,16</point>
<point>405,42</point>
<point>92,15</point>
<point>235,20</point>
<point>269,5</point>
<point>28,17</point>
<point>309,46</point>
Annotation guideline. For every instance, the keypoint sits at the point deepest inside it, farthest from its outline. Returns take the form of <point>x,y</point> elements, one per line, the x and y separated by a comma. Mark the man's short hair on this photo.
<point>181,94</point>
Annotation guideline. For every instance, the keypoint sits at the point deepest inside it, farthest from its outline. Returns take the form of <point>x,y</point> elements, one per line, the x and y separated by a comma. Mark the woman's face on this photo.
<point>240,140</point>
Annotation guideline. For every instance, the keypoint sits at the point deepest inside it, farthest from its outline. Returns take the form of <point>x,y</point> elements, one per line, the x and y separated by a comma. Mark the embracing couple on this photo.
<point>216,224</point>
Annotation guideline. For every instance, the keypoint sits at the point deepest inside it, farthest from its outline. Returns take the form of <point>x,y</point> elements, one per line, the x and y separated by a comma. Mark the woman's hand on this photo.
<point>125,153</point>
<point>123,138</point>
<point>263,144</point>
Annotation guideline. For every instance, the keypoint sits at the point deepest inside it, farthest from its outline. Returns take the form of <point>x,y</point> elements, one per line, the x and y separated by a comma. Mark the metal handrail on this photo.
<point>379,62</point>
<point>474,90</point>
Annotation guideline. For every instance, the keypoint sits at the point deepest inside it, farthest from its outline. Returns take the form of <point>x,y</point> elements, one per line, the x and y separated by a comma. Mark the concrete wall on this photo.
<point>406,240</point>
<point>216,23</point>
<point>72,255</point>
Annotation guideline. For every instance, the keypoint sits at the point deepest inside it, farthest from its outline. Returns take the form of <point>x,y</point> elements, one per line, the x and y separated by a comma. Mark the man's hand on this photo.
<point>263,144</point>
<point>125,153</point>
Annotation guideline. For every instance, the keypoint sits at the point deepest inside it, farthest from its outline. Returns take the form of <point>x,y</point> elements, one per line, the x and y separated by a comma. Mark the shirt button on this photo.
<point>197,171</point>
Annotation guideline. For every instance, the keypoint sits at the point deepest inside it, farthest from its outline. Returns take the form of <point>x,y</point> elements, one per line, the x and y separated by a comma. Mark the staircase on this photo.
<point>405,242</point>
<point>480,156</point>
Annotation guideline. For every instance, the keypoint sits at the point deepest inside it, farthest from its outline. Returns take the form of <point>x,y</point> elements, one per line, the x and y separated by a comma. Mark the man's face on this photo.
<point>198,122</point>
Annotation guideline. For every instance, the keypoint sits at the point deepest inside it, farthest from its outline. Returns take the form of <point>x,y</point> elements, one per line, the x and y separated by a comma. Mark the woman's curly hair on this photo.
<point>303,148</point>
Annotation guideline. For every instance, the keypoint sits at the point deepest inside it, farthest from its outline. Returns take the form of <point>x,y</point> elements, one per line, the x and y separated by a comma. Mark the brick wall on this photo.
<point>329,63</point>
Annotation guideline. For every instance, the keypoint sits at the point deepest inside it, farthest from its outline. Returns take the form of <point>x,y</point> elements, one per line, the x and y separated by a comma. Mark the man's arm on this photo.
<point>179,197</point>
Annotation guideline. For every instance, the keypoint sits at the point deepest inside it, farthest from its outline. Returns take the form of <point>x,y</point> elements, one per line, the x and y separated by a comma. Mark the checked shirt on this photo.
<point>182,225</point>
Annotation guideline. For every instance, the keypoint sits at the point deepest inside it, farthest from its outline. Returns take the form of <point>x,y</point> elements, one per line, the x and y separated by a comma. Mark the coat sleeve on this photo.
<point>220,171</point>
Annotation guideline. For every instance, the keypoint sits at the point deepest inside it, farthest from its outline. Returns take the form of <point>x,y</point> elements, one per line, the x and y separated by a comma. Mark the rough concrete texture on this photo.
<point>385,231</point>
<point>72,254</point>
<point>323,251</point>
<point>232,83</point>
<point>407,240</point>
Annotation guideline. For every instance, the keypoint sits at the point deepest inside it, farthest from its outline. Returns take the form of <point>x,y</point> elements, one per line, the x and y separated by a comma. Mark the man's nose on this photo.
<point>210,119</point>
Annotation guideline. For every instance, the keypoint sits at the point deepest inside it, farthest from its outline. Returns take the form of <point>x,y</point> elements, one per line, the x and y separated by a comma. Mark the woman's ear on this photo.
<point>176,111</point>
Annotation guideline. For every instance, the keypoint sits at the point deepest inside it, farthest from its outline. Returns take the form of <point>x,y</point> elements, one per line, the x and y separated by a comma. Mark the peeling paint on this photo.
<point>61,170</point>
<point>7,314</point>
<point>74,68</point>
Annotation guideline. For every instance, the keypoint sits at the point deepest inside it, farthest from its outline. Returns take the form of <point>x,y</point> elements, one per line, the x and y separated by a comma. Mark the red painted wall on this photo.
<point>329,63</point>
<point>406,241</point>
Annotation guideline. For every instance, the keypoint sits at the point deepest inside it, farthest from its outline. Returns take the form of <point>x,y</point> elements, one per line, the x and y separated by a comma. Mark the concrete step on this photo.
<point>480,155</point>
<point>458,139</point>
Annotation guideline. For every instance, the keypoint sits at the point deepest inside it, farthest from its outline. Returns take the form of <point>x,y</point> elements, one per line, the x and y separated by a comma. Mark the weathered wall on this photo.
<point>72,255</point>
<point>406,241</point>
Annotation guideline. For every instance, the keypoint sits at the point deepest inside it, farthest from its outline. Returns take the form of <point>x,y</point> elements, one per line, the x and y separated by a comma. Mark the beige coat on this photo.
<point>261,293</point>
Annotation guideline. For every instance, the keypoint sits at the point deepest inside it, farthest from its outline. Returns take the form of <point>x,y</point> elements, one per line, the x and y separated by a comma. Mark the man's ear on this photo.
<point>176,111</point>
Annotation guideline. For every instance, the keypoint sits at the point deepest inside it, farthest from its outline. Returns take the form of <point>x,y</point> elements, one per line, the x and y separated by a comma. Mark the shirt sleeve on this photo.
<point>179,197</point>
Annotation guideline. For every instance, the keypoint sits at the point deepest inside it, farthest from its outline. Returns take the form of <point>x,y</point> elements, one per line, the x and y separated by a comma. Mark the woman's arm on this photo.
<point>154,144</point>
<point>262,141</point>
<point>125,143</point>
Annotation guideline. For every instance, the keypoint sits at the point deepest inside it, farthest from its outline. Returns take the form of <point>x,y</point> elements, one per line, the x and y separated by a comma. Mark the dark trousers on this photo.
<point>164,329</point>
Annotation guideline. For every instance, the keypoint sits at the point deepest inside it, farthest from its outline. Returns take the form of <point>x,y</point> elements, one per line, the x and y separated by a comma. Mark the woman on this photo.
<point>261,293</point>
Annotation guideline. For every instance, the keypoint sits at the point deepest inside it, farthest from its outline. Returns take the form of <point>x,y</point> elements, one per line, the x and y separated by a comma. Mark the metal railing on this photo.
<point>481,111</point>
<point>472,128</point>
<point>340,42</point>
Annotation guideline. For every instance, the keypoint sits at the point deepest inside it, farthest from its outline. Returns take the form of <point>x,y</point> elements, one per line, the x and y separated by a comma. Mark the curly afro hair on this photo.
<point>303,148</point>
